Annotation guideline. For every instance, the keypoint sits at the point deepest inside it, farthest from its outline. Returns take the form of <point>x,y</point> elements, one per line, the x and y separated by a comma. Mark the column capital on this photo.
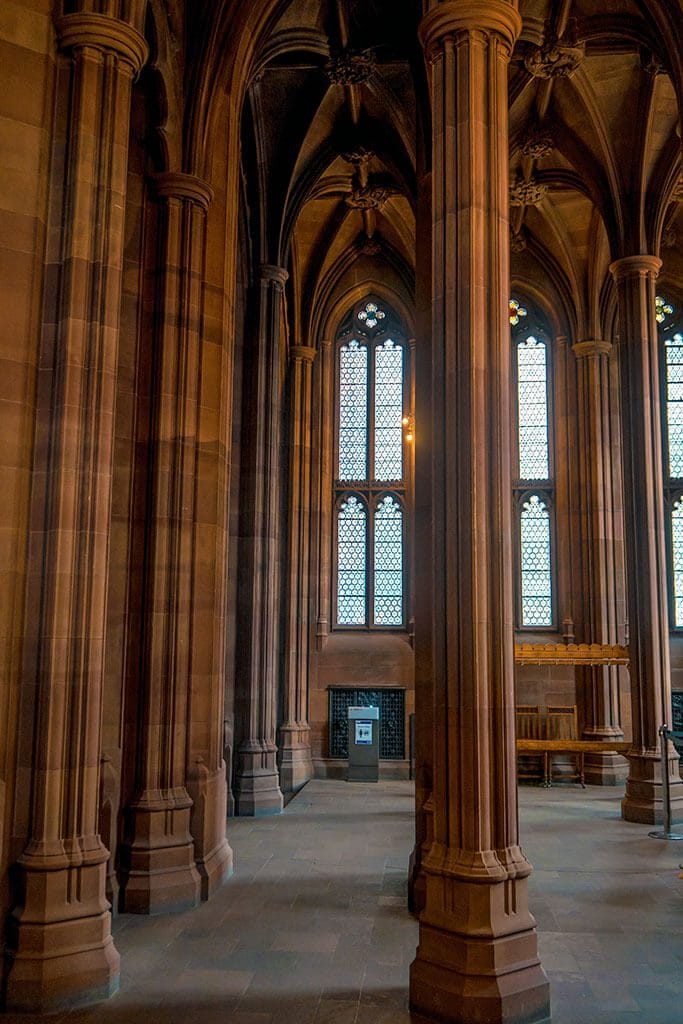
<point>174,185</point>
<point>635,266</point>
<point>100,31</point>
<point>269,272</point>
<point>456,16</point>
<point>591,347</point>
<point>302,353</point>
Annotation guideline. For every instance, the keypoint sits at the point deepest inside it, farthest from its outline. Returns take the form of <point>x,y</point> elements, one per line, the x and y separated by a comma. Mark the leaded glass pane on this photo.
<point>537,601</point>
<point>532,402</point>
<point>388,610</point>
<point>388,411</point>
<point>674,403</point>
<point>677,559</point>
<point>353,412</point>
<point>351,575</point>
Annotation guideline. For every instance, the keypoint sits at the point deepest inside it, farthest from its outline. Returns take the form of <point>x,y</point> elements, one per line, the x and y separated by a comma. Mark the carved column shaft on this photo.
<point>157,854</point>
<point>602,714</point>
<point>477,957</point>
<point>257,789</point>
<point>63,905</point>
<point>646,558</point>
<point>296,767</point>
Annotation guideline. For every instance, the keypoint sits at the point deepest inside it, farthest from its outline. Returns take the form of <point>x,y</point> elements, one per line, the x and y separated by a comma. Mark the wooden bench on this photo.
<point>579,747</point>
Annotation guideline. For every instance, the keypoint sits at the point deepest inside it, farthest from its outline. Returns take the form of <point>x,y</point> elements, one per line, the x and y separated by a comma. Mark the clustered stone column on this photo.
<point>477,957</point>
<point>602,713</point>
<point>647,602</point>
<point>257,790</point>
<point>60,944</point>
<point>296,766</point>
<point>157,856</point>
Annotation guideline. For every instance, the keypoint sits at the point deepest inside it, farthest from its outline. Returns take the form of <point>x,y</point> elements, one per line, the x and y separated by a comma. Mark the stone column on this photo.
<point>157,857</point>
<point>477,957</point>
<point>296,766</point>
<point>646,556</point>
<point>324,480</point>
<point>598,684</point>
<point>256,786</point>
<point>61,873</point>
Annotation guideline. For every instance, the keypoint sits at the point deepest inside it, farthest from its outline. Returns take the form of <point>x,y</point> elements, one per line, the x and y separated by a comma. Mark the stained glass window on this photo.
<point>353,411</point>
<point>532,405</point>
<point>388,411</point>
<point>673,348</point>
<point>536,575</point>
<point>663,308</point>
<point>372,370</point>
<point>388,610</point>
<point>371,315</point>
<point>516,312</point>
<point>351,562</point>
<point>677,559</point>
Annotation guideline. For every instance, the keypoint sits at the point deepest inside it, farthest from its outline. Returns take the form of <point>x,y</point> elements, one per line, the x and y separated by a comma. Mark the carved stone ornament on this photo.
<point>669,239</point>
<point>358,155</point>
<point>528,192</point>
<point>538,143</point>
<point>350,67</point>
<point>370,247</point>
<point>677,194</point>
<point>517,241</point>
<point>555,59</point>
<point>368,197</point>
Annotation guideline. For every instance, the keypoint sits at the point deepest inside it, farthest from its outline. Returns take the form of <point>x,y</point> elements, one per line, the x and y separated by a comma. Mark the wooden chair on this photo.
<point>529,726</point>
<point>561,724</point>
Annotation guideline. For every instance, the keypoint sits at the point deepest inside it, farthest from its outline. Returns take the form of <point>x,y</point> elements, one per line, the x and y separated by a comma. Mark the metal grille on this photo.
<point>674,405</point>
<point>532,402</point>
<point>388,598</point>
<point>388,411</point>
<point>391,704</point>
<point>353,411</point>
<point>351,548</point>
<point>537,605</point>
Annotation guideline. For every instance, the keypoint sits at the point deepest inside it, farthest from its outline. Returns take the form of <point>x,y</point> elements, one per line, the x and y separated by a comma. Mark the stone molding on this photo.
<point>304,353</point>
<point>269,272</point>
<point>453,17</point>
<point>110,35</point>
<point>571,654</point>
<point>591,347</point>
<point>175,185</point>
<point>635,266</point>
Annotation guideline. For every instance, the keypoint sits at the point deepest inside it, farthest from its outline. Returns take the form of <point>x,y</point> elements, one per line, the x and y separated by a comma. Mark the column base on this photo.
<point>294,758</point>
<point>642,802</point>
<point>213,855</point>
<point>605,769</point>
<point>157,857</point>
<point>257,793</point>
<point>60,950</point>
<point>416,883</point>
<point>477,959</point>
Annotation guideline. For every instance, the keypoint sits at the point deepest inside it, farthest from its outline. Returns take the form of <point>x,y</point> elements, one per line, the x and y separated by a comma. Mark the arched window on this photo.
<point>371,398</point>
<point>673,447</point>
<point>533,507</point>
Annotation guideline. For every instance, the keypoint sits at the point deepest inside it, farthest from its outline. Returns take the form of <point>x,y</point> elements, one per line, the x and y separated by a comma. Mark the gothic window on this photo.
<point>370,486</point>
<point>673,448</point>
<point>534,487</point>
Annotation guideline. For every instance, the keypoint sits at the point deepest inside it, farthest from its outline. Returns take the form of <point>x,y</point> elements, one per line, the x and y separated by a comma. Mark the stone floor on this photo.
<point>313,929</point>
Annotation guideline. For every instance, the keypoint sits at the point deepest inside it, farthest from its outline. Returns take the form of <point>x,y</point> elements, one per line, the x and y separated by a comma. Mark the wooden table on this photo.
<point>578,747</point>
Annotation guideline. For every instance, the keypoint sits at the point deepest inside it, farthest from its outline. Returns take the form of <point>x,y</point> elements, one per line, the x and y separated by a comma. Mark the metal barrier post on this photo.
<point>666,832</point>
